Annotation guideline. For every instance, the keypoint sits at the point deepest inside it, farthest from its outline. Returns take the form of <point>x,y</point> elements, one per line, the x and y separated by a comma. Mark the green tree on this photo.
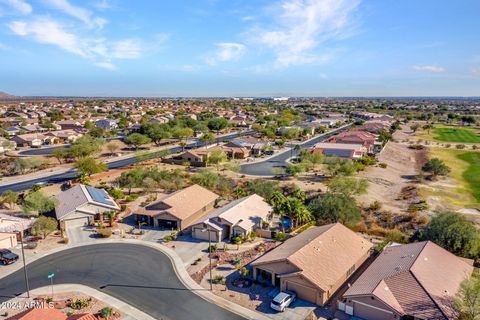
<point>348,185</point>
<point>38,202</point>
<point>467,300</point>
<point>339,166</point>
<point>89,166</point>
<point>294,169</point>
<point>264,188</point>
<point>331,207</point>
<point>453,232</point>
<point>112,147</point>
<point>10,197</point>
<point>137,139</point>
<point>217,124</point>
<point>182,134</point>
<point>60,154</point>
<point>43,226</point>
<point>129,179</point>
<point>157,132</point>
<point>414,127</point>
<point>216,157</point>
<point>206,179</point>
<point>85,146</point>
<point>106,313</point>
<point>207,138</point>
<point>436,167</point>
<point>384,136</point>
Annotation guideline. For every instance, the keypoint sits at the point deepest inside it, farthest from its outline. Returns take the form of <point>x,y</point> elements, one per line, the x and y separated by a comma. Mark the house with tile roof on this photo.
<point>412,281</point>
<point>315,263</point>
<point>238,218</point>
<point>178,210</point>
<point>341,150</point>
<point>81,205</point>
<point>49,314</point>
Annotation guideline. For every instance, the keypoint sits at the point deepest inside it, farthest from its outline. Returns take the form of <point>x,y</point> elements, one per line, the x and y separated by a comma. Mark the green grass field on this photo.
<point>462,189</point>
<point>472,173</point>
<point>451,134</point>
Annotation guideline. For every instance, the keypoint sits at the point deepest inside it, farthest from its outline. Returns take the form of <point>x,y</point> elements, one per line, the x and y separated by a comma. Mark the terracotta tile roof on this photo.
<point>417,279</point>
<point>83,316</point>
<point>181,204</point>
<point>39,314</point>
<point>322,254</point>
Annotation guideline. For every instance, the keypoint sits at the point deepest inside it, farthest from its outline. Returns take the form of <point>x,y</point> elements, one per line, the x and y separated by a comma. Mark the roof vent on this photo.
<point>426,259</point>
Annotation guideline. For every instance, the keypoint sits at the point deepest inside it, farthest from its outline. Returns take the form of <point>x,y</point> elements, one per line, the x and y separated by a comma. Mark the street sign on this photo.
<point>51,275</point>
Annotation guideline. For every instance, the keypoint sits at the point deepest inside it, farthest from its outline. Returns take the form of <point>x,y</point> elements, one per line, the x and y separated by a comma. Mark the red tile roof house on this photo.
<point>315,263</point>
<point>81,205</point>
<point>342,150</point>
<point>364,138</point>
<point>178,210</point>
<point>238,218</point>
<point>412,281</point>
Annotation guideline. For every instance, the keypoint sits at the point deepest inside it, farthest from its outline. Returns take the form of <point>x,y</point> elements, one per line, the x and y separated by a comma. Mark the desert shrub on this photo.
<point>375,205</point>
<point>116,193</point>
<point>460,146</point>
<point>213,248</point>
<point>416,207</point>
<point>65,240</point>
<point>280,236</point>
<point>79,304</point>
<point>132,197</point>
<point>382,165</point>
<point>360,227</point>
<point>104,232</point>
<point>218,279</point>
<point>396,235</point>
<point>474,147</point>
<point>379,247</point>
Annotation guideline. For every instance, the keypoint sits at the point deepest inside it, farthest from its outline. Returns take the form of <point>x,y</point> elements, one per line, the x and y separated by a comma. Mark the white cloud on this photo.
<point>226,51</point>
<point>126,49</point>
<point>79,13</point>
<point>19,6</point>
<point>476,71</point>
<point>301,26</point>
<point>45,30</point>
<point>106,65</point>
<point>432,68</point>
<point>102,5</point>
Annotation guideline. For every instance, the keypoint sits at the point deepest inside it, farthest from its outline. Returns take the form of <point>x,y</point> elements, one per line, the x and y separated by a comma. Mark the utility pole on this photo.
<point>210,258</point>
<point>27,287</point>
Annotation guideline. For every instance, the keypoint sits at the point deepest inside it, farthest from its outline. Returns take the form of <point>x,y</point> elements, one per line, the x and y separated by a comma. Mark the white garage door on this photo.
<point>75,223</point>
<point>198,234</point>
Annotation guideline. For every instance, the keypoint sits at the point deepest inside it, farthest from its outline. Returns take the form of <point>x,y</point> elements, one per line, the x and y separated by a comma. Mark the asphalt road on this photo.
<point>140,276</point>
<point>264,168</point>
<point>72,174</point>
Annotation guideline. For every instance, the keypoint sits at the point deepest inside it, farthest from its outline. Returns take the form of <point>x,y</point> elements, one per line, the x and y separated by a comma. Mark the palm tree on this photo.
<point>278,201</point>
<point>302,215</point>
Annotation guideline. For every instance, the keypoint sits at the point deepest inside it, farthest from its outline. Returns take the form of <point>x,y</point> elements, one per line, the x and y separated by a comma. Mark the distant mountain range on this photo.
<point>4,95</point>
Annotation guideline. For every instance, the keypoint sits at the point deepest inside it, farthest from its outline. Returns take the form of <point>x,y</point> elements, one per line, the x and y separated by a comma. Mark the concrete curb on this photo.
<point>179,269</point>
<point>130,312</point>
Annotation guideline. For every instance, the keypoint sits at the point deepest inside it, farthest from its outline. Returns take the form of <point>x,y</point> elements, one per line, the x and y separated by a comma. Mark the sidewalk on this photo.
<point>179,269</point>
<point>130,313</point>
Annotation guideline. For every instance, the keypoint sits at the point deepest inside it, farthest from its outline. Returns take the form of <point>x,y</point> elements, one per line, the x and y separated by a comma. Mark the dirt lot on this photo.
<point>403,164</point>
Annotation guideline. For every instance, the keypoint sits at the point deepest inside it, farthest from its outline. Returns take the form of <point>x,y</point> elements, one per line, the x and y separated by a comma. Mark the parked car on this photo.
<point>7,256</point>
<point>282,300</point>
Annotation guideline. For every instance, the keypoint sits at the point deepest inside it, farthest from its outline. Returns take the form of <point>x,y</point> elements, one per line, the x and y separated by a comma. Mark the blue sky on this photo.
<point>240,47</point>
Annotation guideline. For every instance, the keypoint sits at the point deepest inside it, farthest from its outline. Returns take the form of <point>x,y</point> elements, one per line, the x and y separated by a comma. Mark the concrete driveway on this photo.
<point>80,234</point>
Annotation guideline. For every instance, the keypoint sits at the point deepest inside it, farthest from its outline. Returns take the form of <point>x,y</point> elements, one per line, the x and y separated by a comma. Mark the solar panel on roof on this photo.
<point>100,196</point>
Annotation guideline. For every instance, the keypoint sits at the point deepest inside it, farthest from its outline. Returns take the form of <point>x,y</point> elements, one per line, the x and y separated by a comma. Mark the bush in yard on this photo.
<point>116,193</point>
<point>237,241</point>
<point>382,165</point>
<point>243,272</point>
<point>236,261</point>
<point>280,236</point>
<point>132,197</point>
<point>43,226</point>
<point>79,304</point>
<point>106,312</point>
<point>218,279</point>
<point>213,248</point>
<point>104,232</point>
<point>460,146</point>
<point>398,236</point>
<point>375,205</point>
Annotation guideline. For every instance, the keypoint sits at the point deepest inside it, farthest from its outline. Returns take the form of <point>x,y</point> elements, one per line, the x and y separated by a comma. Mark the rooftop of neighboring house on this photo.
<point>322,254</point>
<point>245,212</point>
<point>79,195</point>
<point>338,146</point>
<point>414,279</point>
<point>182,203</point>
<point>14,224</point>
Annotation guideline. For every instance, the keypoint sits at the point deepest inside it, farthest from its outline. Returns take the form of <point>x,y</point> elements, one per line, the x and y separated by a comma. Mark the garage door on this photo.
<point>75,223</point>
<point>198,234</point>
<point>304,293</point>
<point>364,311</point>
<point>167,224</point>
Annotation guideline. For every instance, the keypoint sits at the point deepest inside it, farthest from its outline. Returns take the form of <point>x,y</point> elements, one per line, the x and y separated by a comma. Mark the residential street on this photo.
<point>264,168</point>
<point>142,277</point>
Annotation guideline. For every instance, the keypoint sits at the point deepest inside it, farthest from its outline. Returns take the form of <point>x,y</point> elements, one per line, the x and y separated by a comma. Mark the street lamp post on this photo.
<point>27,287</point>
<point>209,255</point>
